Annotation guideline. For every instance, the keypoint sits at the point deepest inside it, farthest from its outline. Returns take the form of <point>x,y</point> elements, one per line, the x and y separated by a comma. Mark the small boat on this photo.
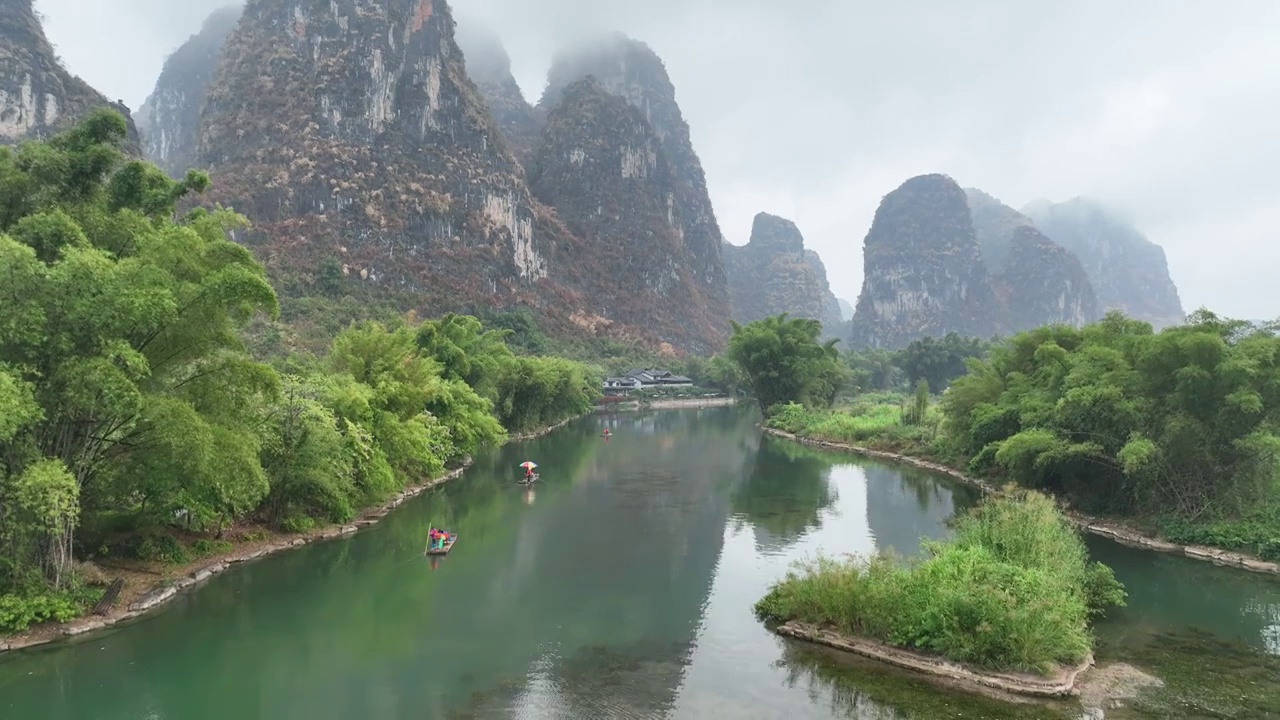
<point>529,480</point>
<point>443,549</point>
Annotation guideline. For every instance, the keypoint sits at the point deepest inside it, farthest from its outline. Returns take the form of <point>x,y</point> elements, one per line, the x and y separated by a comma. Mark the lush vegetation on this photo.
<point>133,414</point>
<point>782,361</point>
<point>1179,430</point>
<point>1012,590</point>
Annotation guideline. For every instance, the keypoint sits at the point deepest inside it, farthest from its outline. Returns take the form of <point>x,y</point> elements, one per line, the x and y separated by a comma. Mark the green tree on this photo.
<point>784,362</point>
<point>124,385</point>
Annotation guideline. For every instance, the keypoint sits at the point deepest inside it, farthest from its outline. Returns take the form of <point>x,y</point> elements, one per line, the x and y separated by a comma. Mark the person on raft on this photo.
<point>528,473</point>
<point>437,538</point>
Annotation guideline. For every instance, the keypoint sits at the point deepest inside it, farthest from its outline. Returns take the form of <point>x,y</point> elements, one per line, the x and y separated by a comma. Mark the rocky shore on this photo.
<point>1061,683</point>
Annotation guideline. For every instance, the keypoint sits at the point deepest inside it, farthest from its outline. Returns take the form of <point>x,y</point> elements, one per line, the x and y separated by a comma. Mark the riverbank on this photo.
<point>1111,530</point>
<point>143,593</point>
<point>673,404</point>
<point>1059,684</point>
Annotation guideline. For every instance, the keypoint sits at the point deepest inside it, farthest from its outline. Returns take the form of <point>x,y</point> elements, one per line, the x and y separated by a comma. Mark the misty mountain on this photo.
<point>1037,282</point>
<point>923,270</point>
<point>38,97</point>
<point>489,67</point>
<point>631,70</point>
<point>774,273</point>
<point>170,118</point>
<point>603,168</point>
<point>1128,271</point>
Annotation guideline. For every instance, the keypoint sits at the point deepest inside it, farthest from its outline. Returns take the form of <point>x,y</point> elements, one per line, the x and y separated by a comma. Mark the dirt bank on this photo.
<point>1062,683</point>
<point>1113,531</point>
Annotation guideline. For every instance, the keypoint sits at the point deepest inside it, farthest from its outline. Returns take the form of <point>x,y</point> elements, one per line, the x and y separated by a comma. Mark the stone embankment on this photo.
<point>1061,683</point>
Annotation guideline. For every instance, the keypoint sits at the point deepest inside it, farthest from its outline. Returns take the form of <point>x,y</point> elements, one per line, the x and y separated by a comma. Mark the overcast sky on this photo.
<point>1169,109</point>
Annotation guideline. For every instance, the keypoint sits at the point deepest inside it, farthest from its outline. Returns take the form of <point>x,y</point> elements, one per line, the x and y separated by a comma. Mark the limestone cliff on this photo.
<point>1043,283</point>
<point>489,67</point>
<point>1037,281</point>
<point>1128,271</point>
<point>774,273</point>
<point>38,97</point>
<point>170,117</point>
<point>349,133</point>
<point>631,70</point>
<point>846,309</point>
<point>603,168</point>
<point>923,272</point>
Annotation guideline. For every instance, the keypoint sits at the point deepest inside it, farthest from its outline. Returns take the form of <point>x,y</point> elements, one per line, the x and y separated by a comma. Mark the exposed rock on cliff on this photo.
<point>1043,284</point>
<point>774,273</point>
<point>350,134</point>
<point>489,67</point>
<point>170,117</point>
<point>606,173</point>
<point>922,269</point>
<point>38,97</point>
<point>630,69</point>
<point>1128,271</point>
<point>1037,281</point>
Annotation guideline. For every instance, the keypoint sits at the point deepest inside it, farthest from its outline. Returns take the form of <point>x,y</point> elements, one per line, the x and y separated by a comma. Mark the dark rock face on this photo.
<point>350,134</point>
<point>38,97</point>
<point>603,168</point>
<point>774,273</point>
<point>170,117</point>
<point>923,273</point>
<point>1037,281</point>
<point>630,69</point>
<point>1043,284</point>
<point>489,67</point>
<point>1128,271</point>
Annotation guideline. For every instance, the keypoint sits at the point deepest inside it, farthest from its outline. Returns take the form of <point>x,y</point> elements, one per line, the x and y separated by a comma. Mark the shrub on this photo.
<point>159,547</point>
<point>1012,590</point>
<point>18,613</point>
<point>205,548</point>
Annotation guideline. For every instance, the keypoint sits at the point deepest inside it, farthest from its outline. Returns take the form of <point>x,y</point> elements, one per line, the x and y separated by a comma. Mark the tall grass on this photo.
<point>873,419</point>
<point>1013,590</point>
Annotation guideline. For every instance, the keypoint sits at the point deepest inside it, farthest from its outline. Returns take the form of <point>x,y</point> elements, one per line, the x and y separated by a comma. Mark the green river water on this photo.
<point>620,586</point>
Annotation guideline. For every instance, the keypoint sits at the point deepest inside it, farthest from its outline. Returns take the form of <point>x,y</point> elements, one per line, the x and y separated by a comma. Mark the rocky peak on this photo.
<point>170,117</point>
<point>1037,281</point>
<point>349,133</point>
<point>774,273</point>
<point>923,272</point>
<point>489,67</point>
<point>38,97</point>
<point>1128,271</point>
<point>1043,283</point>
<point>605,171</point>
<point>631,70</point>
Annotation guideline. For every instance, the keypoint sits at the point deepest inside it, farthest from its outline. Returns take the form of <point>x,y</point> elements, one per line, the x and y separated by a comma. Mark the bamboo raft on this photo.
<point>443,549</point>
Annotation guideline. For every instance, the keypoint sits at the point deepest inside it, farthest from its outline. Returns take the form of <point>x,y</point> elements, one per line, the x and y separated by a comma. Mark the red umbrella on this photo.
<point>528,465</point>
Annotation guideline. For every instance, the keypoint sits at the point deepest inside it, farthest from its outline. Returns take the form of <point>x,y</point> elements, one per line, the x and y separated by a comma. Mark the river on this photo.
<point>620,586</point>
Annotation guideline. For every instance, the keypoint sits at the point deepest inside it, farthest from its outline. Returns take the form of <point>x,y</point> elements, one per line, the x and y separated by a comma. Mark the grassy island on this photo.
<point>1013,590</point>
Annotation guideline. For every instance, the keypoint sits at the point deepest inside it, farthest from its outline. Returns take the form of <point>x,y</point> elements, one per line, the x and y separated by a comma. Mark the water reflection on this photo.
<point>905,505</point>
<point>785,491</point>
